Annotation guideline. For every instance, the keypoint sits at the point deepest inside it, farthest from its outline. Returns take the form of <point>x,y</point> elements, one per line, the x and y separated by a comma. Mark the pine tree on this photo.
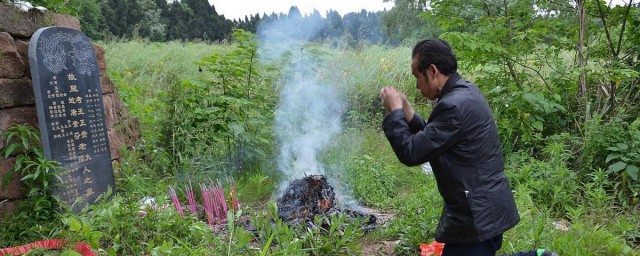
<point>92,21</point>
<point>178,16</point>
<point>122,16</point>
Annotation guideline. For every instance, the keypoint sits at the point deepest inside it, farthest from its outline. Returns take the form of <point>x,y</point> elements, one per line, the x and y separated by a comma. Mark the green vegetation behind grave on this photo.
<point>571,170</point>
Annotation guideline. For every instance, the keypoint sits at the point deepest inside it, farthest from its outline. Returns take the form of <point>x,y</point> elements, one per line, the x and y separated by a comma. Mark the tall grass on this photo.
<point>549,194</point>
<point>143,71</point>
<point>360,74</point>
<point>560,210</point>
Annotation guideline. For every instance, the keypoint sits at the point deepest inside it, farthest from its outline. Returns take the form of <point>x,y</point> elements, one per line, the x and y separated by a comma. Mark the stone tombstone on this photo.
<point>66,83</point>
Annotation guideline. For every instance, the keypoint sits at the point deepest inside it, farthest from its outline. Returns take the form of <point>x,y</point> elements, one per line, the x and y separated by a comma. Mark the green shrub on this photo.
<point>612,145</point>
<point>624,160</point>
<point>563,178</point>
<point>598,135</point>
<point>143,72</point>
<point>417,216</point>
<point>326,235</point>
<point>225,116</point>
<point>552,183</point>
<point>33,217</point>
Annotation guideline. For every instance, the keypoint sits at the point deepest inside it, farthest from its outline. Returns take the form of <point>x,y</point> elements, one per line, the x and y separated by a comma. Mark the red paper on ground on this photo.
<point>434,248</point>
<point>51,244</point>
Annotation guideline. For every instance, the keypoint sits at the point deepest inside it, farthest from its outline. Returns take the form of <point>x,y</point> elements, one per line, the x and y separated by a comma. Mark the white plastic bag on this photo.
<point>426,168</point>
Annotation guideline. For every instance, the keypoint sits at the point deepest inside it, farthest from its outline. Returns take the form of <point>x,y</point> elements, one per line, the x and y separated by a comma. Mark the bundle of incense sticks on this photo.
<point>191,198</point>
<point>176,202</point>
<point>215,203</point>
<point>220,204</point>
<point>208,204</point>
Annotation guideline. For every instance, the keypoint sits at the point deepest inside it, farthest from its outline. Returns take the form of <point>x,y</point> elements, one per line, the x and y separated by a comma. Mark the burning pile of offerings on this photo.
<point>306,198</point>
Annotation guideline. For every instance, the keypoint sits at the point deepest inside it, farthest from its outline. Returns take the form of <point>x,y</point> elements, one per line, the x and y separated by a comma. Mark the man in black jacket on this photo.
<point>461,142</point>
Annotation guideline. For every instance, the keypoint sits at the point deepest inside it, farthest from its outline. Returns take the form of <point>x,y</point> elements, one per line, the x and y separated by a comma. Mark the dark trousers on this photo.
<point>484,248</point>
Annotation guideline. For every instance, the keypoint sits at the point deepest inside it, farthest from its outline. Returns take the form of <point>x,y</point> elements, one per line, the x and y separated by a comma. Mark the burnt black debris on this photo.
<point>311,196</point>
<point>306,197</point>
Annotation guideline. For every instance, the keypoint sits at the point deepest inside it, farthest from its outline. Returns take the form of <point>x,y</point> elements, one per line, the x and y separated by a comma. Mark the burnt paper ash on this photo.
<point>310,196</point>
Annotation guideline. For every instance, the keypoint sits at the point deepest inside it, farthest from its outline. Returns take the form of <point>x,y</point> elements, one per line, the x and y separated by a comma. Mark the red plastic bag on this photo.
<point>52,244</point>
<point>434,248</point>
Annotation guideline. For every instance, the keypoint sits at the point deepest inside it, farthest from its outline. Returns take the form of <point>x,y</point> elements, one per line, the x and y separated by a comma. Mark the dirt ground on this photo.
<point>379,248</point>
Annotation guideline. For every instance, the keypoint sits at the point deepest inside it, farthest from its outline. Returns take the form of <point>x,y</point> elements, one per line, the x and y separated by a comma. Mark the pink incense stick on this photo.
<point>176,202</point>
<point>191,198</point>
<point>223,201</point>
<point>207,204</point>
<point>216,199</point>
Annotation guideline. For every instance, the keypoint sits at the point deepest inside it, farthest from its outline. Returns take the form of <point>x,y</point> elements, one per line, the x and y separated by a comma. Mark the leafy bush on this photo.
<point>598,135</point>
<point>586,234</point>
<point>417,216</point>
<point>143,72</point>
<point>525,115</point>
<point>599,241</point>
<point>561,178</point>
<point>255,189</point>
<point>374,182</point>
<point>612,145</point>
<point>160,231</point>
<point>328,235</point>
<point>36,171</point>
<point>624,159</point>
<point>36,174</point>
<point>58,6</point>
<point>226,116</point>
<point>552,183</point>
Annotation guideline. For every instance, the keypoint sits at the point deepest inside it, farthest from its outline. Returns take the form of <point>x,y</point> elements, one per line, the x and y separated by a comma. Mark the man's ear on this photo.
<point>433,69</point>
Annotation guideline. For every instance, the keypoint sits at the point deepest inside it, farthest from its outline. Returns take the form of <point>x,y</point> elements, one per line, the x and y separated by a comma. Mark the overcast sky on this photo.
<point>233,9</point>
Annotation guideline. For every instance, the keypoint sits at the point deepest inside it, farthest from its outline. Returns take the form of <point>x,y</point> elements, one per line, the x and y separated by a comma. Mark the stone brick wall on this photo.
<point>17,101</point>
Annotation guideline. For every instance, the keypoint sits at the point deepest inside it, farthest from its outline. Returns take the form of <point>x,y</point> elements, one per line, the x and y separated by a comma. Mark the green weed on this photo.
<point>197,125</point>
<point>37,174</point>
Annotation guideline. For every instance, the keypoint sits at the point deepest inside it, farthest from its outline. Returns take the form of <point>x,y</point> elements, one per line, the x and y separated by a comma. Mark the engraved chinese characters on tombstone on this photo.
<point>66,82</point>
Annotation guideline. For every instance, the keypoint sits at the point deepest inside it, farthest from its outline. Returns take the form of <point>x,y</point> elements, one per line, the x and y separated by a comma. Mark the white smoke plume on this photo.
<point>307,119</point>
<point>308,116</point>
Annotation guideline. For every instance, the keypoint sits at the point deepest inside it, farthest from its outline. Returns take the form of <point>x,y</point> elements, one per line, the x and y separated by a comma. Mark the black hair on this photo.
<point>437,52</point>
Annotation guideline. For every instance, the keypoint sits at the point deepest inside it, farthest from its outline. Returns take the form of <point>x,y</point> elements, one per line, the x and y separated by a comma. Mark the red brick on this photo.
<point>11,65</point>
<point>109,113</point>
<point>19,115</point>
<point>61,20</point>
<point>23,49</point>
<point>116,140</point>
<point>99,51</point>
<point>24,24</point>
<point>107,85</point>
<point>132,131</point>
<point>16,92</point>
<point>127,132</point>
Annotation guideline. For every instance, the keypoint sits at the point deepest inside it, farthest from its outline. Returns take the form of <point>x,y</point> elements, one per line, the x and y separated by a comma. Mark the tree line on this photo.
<point>167,20</point>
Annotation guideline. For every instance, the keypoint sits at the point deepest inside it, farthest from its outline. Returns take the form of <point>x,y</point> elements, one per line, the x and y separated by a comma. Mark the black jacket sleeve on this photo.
<point>435,137</point>
<point>417,123</point>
